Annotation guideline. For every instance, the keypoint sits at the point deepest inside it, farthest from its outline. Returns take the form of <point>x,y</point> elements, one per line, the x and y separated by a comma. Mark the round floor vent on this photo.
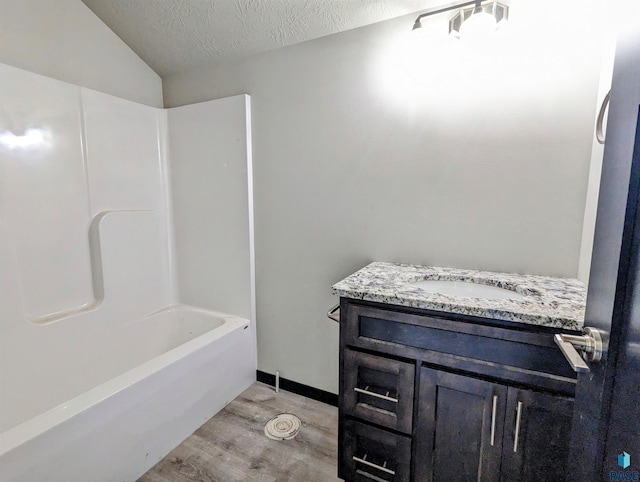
<point>282,427</point>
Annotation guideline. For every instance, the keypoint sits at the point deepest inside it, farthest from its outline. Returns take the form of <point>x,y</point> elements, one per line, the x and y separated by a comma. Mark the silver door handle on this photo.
<point>334,313</point>
<point>590,343</point>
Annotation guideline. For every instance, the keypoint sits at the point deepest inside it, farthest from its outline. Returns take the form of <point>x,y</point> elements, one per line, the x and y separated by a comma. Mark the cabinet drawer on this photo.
<point>425,337</point>
<point>374,454</point>
<point>379,390</point>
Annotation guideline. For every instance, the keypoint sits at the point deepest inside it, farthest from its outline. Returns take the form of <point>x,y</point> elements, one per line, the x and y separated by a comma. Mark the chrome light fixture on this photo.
<point>480,18</point>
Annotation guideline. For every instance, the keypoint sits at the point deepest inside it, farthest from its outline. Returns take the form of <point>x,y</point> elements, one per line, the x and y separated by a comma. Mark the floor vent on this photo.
<point>282,427</point>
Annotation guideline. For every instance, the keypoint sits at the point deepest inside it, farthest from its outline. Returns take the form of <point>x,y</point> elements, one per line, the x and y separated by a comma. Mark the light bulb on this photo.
<point>480,24</point>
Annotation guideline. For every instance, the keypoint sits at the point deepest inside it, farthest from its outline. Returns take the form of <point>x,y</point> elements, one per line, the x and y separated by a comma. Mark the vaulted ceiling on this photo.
<point>178,35</point>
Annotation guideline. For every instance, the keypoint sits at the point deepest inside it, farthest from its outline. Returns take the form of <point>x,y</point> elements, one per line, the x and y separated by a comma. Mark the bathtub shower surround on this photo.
<point>100,360</point>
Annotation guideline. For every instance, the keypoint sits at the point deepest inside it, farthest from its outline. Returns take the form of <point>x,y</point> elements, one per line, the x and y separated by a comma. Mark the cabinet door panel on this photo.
<point>459,429</point>
<point>379,390</point>
<point>543,435</point>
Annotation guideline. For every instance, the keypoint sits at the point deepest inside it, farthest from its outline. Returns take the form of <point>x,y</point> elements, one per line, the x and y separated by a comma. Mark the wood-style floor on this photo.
<point>232,447</point>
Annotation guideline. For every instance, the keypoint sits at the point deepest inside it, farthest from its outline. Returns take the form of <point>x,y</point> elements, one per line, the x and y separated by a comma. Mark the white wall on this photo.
<point>479,163</point>
<point>65,40</point>
<point>595,171</point>
<point>614,16</point>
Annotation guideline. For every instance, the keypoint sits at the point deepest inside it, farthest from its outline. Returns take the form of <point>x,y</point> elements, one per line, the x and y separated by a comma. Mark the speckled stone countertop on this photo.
<point>553,302</point>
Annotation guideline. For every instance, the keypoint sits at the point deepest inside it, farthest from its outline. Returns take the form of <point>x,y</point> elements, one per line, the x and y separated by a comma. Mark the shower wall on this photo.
<point>211,203</point>
<point>84,234</point>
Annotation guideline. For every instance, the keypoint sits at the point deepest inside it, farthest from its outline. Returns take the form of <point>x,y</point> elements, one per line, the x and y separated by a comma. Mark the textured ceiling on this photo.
<point>179,35</point>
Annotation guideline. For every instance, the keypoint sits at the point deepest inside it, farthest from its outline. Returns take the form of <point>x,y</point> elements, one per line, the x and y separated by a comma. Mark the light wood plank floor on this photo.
<point>232,447</point>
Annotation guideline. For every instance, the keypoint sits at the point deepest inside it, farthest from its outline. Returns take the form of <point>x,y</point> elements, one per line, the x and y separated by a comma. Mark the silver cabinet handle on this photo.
<point>375,466</point>
<point>383,397</point>
<point>334,313</point>
<point>493,419</point>
<point>599,129</point>
<point>518,417</point>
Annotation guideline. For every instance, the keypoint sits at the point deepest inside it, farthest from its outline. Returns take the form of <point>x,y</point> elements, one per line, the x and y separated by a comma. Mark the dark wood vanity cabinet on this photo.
<point>428,396</point>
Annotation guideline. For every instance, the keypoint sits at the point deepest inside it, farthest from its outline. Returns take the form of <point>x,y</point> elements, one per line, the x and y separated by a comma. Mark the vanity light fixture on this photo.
<point>480,18</point>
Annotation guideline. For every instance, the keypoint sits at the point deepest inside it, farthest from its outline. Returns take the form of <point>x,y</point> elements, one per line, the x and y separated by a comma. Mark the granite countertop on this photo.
<point>552,302</point>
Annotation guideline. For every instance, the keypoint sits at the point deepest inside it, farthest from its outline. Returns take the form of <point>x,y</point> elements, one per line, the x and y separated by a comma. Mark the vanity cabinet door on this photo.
<point>537,436</point>
<point>459,428</point>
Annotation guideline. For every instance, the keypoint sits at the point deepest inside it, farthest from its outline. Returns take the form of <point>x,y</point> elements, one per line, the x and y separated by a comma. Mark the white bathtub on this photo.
<point>194,362</point>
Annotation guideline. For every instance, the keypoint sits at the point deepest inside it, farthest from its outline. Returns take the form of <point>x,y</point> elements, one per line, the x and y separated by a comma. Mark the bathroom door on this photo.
<point>606,421</point>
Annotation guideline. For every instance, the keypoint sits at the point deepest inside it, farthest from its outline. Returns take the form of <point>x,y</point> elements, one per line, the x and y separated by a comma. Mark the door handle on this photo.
<point>590,343</point>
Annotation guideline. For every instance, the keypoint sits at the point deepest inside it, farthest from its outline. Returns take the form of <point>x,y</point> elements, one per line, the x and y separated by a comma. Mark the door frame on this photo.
<point>612,281</point>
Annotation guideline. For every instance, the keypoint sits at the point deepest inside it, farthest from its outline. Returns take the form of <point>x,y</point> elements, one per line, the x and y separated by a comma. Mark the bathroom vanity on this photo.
<point>453,387</point>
